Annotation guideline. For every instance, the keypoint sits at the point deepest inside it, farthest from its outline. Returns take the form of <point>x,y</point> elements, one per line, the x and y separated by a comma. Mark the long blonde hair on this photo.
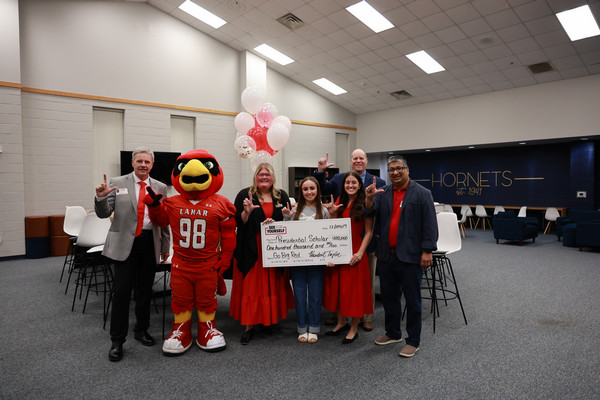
<point>275,193</point>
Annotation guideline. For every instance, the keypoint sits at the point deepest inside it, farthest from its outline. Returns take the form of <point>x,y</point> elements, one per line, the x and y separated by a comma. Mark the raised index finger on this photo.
<point>105,180</point>
<point>326,156</point>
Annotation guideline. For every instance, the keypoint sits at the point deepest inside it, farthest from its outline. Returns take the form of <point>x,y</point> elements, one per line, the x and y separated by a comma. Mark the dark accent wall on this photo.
<point>529,175</point>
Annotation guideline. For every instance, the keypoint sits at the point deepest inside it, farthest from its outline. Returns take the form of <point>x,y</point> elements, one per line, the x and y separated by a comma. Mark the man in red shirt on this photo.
<point>407,235</point>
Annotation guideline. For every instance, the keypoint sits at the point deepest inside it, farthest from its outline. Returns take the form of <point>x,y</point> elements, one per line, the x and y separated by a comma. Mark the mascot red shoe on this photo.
<point>203,228</point>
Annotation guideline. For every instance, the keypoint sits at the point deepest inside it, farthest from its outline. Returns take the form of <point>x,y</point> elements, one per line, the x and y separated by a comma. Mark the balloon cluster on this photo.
<point>262,132</point>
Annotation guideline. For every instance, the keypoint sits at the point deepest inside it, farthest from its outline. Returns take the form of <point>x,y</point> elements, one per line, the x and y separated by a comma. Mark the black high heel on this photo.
<point>336,333</point>
<point>247,336</point>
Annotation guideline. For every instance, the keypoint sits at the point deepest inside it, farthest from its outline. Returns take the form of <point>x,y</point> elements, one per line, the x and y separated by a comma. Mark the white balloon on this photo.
<point>277,136</point>
<point>271,107</point>
<point>282,119</point>
<point>252,99</point>
<point>245,146</point>
<point>243,122</point>
<point>259,158</point>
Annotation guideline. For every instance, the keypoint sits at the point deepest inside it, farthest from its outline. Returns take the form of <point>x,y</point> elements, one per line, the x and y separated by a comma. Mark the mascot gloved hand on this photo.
<point>203,229</point>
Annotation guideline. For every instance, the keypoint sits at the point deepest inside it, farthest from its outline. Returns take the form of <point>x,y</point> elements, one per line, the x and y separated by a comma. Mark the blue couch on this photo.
<point>507,226</point>
<point>587,234</point>
<point>566,227</point>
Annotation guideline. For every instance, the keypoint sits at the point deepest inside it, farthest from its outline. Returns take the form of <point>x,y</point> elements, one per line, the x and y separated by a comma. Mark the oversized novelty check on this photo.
<point>313,242</point>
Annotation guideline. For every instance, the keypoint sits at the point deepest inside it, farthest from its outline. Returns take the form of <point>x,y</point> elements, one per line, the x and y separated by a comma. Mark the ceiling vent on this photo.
<point>540,67</point>
<point>401,95</point>
<point>291,21</point>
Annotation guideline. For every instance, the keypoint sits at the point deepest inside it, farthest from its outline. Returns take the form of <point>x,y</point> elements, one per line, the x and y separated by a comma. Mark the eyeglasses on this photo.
<point>396,169</point>
<point>263,175</point>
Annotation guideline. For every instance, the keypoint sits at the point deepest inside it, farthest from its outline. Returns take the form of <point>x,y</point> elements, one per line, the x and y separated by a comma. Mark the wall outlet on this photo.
<point>581,195</point>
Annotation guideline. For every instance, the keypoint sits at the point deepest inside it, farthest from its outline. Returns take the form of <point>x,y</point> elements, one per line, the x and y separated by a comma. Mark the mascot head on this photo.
<point>197,175</point>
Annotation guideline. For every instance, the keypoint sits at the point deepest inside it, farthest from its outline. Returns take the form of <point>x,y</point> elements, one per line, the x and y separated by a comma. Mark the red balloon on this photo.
<point>260,137</point>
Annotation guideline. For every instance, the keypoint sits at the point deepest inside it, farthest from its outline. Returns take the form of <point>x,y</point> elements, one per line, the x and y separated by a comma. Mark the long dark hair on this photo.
<point>302,200</point>
<point>356,212</point>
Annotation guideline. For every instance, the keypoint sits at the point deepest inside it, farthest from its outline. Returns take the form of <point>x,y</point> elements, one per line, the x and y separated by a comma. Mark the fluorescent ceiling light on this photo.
<point>329,86</point>
<point>370,16</point>
<point>273,54</point>
<point>203,15</point>
<point>425,62</point>
<point>579,23</point>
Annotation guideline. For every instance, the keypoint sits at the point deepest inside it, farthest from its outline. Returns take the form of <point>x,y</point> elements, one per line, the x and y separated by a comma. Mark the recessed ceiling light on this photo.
<point>428,150</point>
<point>202,14</point>
<point>273,54</point>
<point>329,86</point>
<point>579,23</point>
<point>522,142</point>
<point>471,147</point>
<point>584,138</point>
<point>370,16</point>
<point>425,62</point>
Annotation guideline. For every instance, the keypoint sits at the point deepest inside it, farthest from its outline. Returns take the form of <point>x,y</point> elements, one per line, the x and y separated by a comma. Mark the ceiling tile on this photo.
<point>438,21</point>
<point>543,25</point>
<point>496,52</point>
<point>462,46</point>
<point>487,7</point>
<point>567,63</point>
<point>514,32</point>
<point>533,10</point>
<point>474,57</point>
<point>475,27</point>
<point>374,42</point>
<point>463,13</point>
<point>428,41</point>
<point>523,45</point>
<point>575,72</point>
<point>451,34</point>
<point>423,8</point>
<point>502,19</point>
<point>414,29</point>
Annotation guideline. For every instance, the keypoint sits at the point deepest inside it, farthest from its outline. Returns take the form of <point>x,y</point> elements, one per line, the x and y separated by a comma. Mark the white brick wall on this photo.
<point>12,210</point>
<point>53,166</point>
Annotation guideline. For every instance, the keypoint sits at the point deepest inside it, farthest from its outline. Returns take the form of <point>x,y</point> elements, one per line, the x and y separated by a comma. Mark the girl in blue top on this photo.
<point>308,280</point>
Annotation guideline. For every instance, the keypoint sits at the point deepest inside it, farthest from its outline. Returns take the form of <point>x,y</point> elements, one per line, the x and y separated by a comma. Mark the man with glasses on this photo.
<point>408,234</point>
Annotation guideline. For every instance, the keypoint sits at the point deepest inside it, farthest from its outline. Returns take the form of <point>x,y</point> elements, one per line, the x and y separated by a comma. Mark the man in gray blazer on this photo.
<point>134,245</point>
<point>407,236</point>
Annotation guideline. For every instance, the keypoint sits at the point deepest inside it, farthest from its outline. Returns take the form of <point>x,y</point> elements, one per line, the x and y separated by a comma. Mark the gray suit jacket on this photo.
<point>119,240</point>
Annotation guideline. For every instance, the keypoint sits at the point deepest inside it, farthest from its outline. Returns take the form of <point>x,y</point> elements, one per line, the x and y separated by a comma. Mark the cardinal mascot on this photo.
<point>203,229</point>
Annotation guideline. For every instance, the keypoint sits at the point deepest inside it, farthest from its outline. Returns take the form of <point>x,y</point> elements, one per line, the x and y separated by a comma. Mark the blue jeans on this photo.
<point>308,283</point>
<point>395,278</point>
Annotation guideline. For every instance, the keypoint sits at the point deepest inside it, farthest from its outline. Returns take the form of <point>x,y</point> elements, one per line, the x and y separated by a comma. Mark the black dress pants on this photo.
<point>135,273</point>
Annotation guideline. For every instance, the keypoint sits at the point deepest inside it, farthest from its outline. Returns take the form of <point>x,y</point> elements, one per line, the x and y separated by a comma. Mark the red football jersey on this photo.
<point>195,224</point>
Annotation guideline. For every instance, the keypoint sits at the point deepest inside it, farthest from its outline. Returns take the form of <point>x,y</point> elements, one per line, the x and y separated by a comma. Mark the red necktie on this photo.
<point>141,207</point>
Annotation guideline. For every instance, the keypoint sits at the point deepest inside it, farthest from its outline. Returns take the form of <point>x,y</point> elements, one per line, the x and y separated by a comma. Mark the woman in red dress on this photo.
<point>348,287</point>
<point>259,295</point>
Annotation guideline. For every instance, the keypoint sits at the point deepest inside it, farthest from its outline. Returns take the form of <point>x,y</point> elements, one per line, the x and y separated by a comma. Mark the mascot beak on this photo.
<point>195,176</point>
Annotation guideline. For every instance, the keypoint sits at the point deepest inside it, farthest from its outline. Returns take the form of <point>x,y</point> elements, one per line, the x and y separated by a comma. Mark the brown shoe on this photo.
<point>385,340</point>
<point>408,351</point>
<point>367,326</point>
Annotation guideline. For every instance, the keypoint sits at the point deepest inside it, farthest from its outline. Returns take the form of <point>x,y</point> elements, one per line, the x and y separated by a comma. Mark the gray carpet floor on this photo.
<point>532,333</point>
